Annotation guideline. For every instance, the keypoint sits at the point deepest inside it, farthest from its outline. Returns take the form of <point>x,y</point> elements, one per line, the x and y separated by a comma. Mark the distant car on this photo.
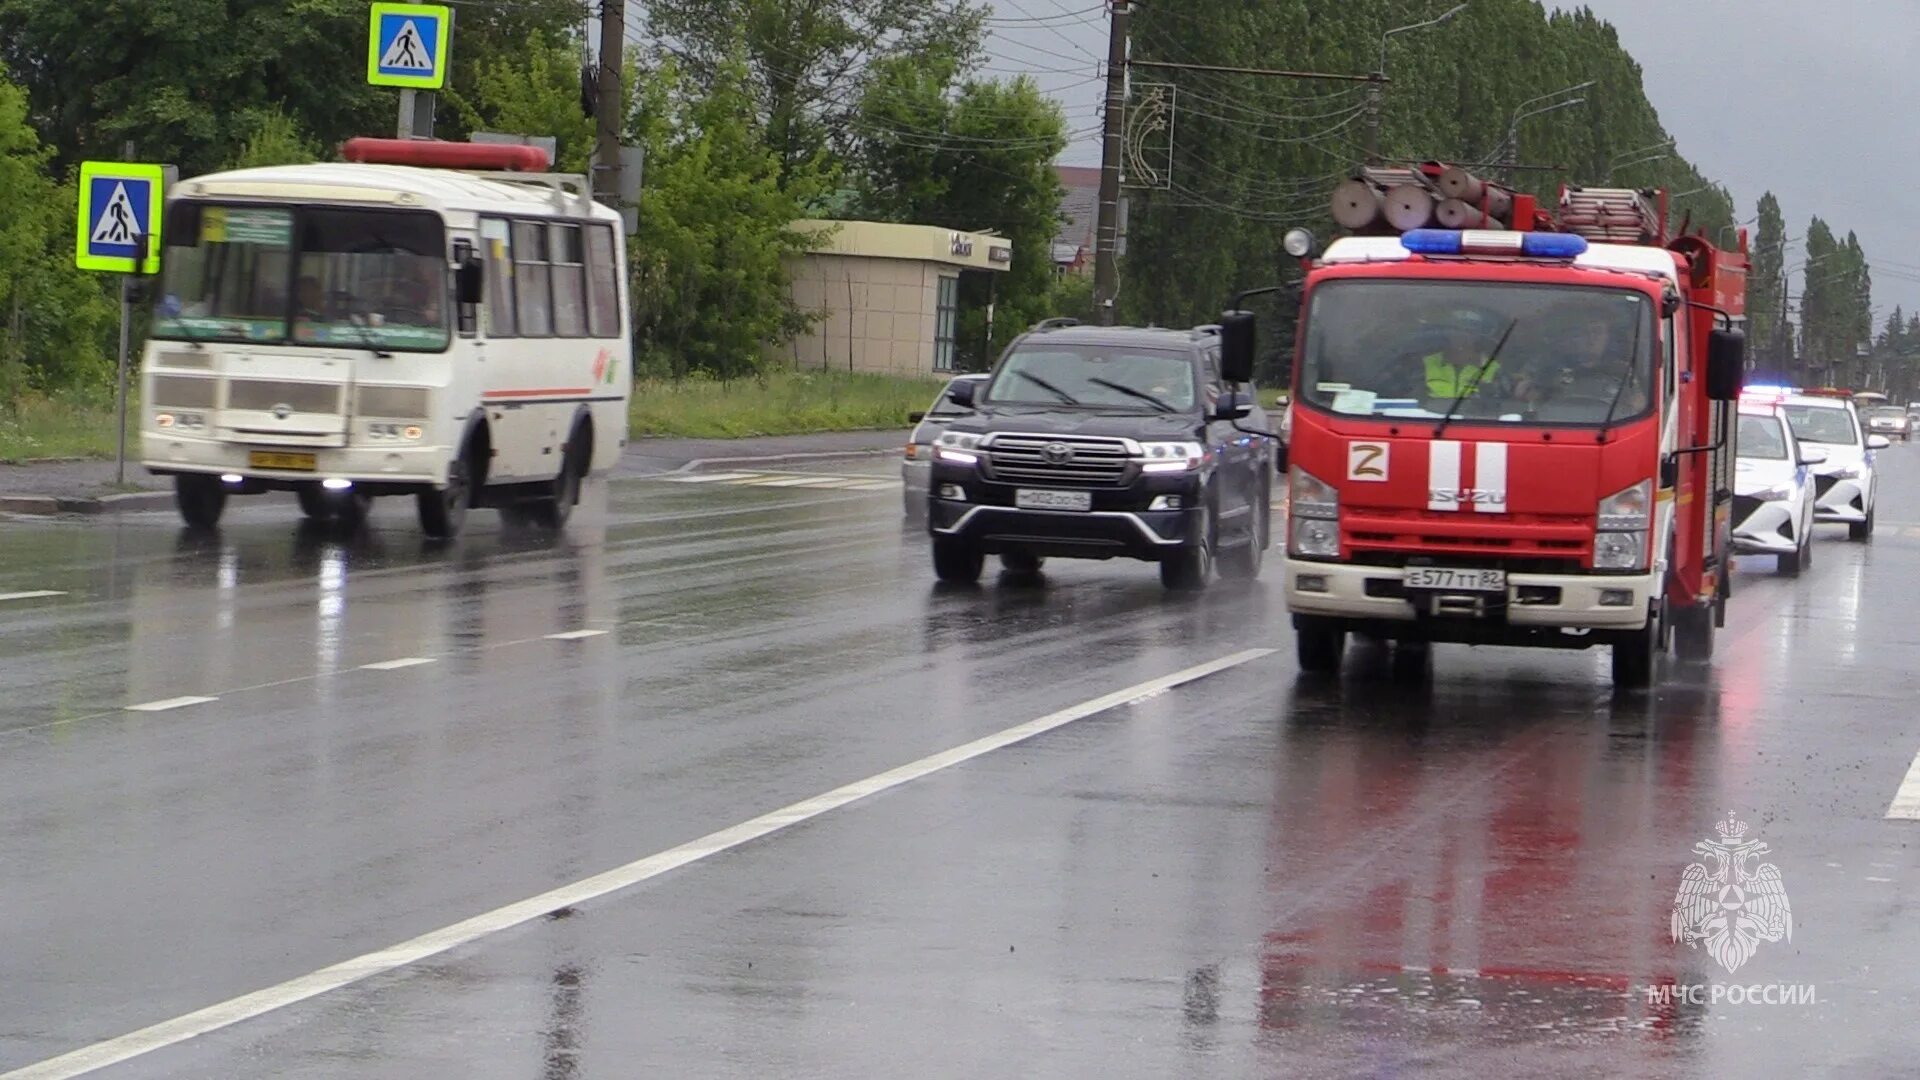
<point>1844,484</point>
<point>1891,421</point>
<point>917,464</point>
<point>1773,489</point>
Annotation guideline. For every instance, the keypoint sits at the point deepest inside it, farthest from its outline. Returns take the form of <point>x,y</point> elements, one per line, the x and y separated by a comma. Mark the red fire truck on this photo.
<point>1514,434</point>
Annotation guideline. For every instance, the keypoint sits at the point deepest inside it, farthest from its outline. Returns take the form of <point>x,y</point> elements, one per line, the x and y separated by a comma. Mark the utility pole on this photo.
<point>1377,91</point>
<point>1106,236</point>
<point>607,109</point>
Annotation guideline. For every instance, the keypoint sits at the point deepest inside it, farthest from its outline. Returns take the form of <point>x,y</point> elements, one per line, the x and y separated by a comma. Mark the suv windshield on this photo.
<point>1820,424</point>
<point>1761,437</point>
<point>1571,355</point>
<point>312,276</point>
<point>1096,376</point>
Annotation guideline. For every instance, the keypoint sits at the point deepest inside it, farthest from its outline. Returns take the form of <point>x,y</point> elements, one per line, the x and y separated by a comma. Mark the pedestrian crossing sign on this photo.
<point>407,45</point>
<point>120,203</point>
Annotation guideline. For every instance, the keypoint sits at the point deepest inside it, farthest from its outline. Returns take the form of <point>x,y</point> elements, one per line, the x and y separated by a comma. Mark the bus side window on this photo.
<point>496,243</point>
<point>569,282</point>
<point>603,282</point>
<point>532,281</point>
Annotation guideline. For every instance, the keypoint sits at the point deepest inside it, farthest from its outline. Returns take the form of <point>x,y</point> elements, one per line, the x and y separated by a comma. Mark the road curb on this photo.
<point>43,505</point>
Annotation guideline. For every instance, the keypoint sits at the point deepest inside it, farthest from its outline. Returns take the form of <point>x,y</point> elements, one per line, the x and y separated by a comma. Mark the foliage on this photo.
<point>1836,313</point>
<point>276,140</point>
<point>1254,156</point>
<point>710,281</point>
<point>809,60</point>
<point>66,425</point>
<point>1765,292</point>
<point>55,320</point>
<point>533,92</point>
<point>778,401</point>
<point>979,159</point>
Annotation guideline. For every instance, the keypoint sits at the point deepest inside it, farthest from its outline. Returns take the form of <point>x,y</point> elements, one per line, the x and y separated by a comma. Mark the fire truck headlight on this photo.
<point>1628,509</point>
<point>1310,497</point>
<point>1620,551</point>
<point>1314,538</point>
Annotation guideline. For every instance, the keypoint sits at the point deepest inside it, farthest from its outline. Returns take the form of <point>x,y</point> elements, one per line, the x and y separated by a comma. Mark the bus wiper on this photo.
<point>360,324</point>
<point>1633,365</point>
<point>1048,387</point>
<point>1131,392</point>
<point>1478,373</point>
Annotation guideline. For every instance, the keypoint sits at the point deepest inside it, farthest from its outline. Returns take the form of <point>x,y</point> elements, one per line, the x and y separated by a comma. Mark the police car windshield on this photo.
<point>1761,437</point>
<point>1410,349</point>
<point>1821,424</point>
<point>1095,376</point>
<point>304,276</point>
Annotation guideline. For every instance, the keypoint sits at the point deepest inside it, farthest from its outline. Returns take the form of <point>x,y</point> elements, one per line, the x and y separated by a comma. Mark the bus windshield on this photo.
<point>330,276</point>
<point>1565,354</point>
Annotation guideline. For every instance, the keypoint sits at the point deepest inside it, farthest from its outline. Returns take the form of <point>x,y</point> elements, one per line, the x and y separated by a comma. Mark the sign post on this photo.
<point>118,230</point>
<point>407,48</point>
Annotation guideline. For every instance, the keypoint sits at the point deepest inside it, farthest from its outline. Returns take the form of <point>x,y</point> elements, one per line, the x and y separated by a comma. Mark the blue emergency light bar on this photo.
<point>1493,242</point>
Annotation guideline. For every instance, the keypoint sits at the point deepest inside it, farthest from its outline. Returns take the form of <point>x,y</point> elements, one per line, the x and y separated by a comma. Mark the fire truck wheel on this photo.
<point>1319,645</point>
<point>1693,634</point>
<point>1634,658</point>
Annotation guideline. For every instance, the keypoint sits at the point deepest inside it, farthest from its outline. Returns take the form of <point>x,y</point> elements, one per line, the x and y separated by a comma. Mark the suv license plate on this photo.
<point>1448,580</point>
<point>1031,499</point>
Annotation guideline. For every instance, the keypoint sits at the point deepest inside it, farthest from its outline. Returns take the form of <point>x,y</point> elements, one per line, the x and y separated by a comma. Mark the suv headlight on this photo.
<point>958,447</point>
<point>1622,523</point>
<point>1164,457</point>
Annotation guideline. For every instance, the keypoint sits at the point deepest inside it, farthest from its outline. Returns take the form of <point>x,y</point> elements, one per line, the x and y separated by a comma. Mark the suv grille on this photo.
<point>1089,462</point>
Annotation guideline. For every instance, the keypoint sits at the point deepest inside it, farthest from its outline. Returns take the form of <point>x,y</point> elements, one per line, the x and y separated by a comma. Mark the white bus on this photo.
<point>414,322</point>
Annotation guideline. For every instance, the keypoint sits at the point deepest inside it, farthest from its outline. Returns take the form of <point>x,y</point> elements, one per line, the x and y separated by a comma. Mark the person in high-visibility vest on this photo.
<point>1456,370</point>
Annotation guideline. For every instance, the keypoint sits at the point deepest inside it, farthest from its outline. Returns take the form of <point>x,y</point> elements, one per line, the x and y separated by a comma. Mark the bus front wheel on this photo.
<point>552,511</point>
<point>444,510</point>
<point>200,499</point>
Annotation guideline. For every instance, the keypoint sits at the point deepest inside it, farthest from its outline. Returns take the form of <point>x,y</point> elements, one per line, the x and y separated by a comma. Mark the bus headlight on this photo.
<point>184,421</point>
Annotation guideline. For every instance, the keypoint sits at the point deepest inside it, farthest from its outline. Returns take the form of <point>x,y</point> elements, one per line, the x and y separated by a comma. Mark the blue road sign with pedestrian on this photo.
<point>407,46</point>
<point>119,206</point>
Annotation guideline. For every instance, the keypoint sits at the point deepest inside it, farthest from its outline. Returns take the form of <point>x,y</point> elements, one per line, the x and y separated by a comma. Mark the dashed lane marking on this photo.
<point>575,635</point>
<point>788,479</point>
<point>169,703</point>
<point>1906,801</point>
<point>236,1010</point>
<point>34,594</point>
<point>395,665</point>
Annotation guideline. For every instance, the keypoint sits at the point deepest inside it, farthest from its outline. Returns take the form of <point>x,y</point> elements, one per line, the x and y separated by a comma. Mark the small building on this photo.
<point>888,295</point>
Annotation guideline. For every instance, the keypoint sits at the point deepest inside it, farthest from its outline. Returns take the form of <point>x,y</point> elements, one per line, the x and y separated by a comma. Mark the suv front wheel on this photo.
<point>1188,569</point>
<point>955,560</point>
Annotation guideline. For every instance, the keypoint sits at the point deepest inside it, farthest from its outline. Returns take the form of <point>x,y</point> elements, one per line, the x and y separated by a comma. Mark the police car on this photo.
<point>1773,487</point>
<point>1844,484</point>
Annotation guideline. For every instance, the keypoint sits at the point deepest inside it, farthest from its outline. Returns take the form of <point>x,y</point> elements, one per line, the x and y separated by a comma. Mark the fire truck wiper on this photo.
<point>1633,365</point>
<point>1478,374</point>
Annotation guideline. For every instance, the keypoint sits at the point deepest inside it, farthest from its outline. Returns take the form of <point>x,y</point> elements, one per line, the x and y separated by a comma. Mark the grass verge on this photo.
<point>782,402</point>
<point>42,427</point>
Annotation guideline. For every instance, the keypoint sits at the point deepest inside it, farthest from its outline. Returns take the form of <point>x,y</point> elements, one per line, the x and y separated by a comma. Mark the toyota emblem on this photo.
<point>1057,453</point>
<point>282,411</point>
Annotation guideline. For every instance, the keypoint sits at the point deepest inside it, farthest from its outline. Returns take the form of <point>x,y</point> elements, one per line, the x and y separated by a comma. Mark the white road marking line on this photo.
<point>169,703</point>
<point>248,1006</point>
<point>788,481</point>
<point>1906,801</point>
<point>1882,880</point>
<point>395,665</point>
<point>33,595</point>
<point>875,485</point>
<point>575,635</point>
<point>708,478</point>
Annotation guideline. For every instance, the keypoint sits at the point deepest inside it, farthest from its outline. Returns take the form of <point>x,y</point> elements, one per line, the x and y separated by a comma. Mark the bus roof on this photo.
<point>401,185</point>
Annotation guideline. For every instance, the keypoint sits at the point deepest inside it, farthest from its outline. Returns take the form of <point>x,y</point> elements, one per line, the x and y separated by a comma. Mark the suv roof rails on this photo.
<point>1055,323</point>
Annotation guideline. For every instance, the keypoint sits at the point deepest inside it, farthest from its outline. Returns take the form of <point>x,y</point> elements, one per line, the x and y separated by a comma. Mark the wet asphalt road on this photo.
<point>1244,875</point>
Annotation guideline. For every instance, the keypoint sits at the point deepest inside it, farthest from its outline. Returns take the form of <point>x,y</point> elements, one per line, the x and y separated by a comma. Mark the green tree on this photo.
<point>54,318</point>
<point>809,60</point>
<point>1764,283</point>
<point>534,92</point>
<point>710,277</point>
<point>974,155</point>
<point>276,140</point>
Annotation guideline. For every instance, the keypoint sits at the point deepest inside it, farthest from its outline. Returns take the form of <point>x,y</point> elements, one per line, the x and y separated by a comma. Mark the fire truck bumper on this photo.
<point>1378,594</point>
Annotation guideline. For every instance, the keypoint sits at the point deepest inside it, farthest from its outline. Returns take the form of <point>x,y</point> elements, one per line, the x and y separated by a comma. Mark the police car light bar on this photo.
<point>1493,242</point>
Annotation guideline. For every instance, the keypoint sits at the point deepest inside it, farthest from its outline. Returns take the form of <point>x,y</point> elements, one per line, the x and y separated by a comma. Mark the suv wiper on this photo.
<point>1633,365</point>
<point>1131,392</point>
<point>1049,387</point>
<point>1478,373</point>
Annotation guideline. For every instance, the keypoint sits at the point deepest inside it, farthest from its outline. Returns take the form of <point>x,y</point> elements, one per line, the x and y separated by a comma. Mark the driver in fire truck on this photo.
<point>1586,368</point>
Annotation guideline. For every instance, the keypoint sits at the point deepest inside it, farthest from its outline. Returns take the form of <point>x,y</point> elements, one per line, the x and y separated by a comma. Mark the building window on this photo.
<point>945,323</point>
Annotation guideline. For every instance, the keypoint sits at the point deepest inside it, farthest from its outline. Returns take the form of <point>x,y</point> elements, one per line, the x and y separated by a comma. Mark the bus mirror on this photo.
<point>1726,364</point>
<point>1236,346</point>
<point>471,280</point>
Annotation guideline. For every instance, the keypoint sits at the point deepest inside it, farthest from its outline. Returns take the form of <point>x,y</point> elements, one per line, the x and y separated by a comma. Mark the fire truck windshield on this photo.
<point>1573,355</point>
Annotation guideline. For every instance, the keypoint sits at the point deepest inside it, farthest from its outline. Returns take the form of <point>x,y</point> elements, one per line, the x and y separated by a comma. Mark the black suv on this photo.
<point>1094,442</point>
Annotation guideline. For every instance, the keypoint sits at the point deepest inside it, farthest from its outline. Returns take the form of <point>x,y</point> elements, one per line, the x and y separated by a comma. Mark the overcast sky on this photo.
<point>1812,101</point>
